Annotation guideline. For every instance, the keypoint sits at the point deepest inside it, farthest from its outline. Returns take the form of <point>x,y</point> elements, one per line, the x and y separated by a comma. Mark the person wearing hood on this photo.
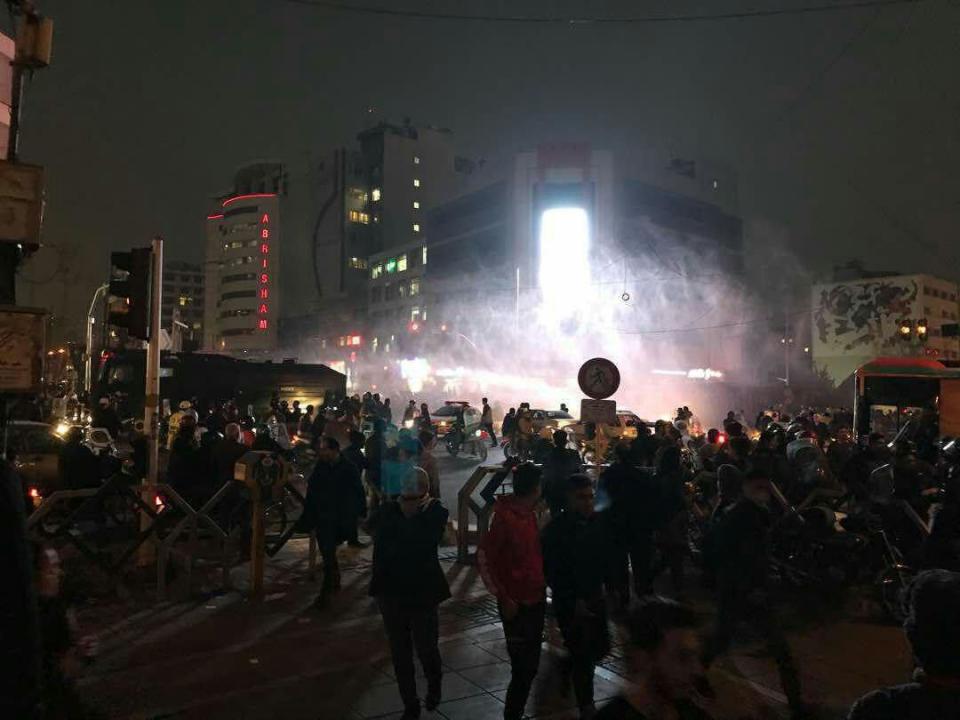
<point>511,565</point>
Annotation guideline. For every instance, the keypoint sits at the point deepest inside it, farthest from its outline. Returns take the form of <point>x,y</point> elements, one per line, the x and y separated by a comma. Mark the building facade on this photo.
<point>183,300</point>
<point>857,320</point>
<point>242,268</point>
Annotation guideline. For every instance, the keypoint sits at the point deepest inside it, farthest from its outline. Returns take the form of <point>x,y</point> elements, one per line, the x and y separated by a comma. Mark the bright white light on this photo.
<point>564,256</point>
<point>414,371</point>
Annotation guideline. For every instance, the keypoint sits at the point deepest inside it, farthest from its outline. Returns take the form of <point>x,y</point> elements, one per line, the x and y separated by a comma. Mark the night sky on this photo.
<point>842,126</point>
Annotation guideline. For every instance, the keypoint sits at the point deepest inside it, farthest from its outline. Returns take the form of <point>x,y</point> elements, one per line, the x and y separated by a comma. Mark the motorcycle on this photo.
<point>472,443</point>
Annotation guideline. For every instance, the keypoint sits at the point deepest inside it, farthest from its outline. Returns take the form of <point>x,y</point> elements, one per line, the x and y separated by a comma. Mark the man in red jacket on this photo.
<point>511,565</point>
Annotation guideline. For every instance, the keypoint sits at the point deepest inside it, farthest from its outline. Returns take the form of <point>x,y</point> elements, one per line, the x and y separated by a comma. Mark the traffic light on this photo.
<point>905,330</point>
<point>922,329</point>
<point>130,276</point>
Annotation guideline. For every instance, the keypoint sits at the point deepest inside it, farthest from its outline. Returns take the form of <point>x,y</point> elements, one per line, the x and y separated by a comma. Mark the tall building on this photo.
<point>242,267</point>
<point>858,319</point>
<point>183,299</point>
<point>370,199</point>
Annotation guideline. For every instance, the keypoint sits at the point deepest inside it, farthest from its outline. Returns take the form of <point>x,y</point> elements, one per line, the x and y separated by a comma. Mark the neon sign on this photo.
<point>264,291</point>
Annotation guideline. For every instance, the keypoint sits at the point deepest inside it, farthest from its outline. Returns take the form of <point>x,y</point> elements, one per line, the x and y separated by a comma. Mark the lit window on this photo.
<point>416,160</point>
<point>416,182</point>
<point>414,313</point>
<point>402,263</point>
<point>416,204</point>
<point>414,287</point>
<point>416,227</point>
<point>358,263</point>
<point>402,289</point>
<point>376,272</point>
<point>716,184</point>
<point>355,339</point>
<point>365,218</point>
<point>374,343</point>
<point>375,194</point>
<point>424,256</point>
<point>391,265</point>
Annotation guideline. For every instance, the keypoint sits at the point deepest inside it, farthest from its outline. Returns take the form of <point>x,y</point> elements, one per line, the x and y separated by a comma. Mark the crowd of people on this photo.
<point>596,537</point>
<point>598,546</point>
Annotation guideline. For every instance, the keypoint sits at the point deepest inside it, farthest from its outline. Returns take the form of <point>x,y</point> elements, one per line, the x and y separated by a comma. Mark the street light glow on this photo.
<point>564,255</point>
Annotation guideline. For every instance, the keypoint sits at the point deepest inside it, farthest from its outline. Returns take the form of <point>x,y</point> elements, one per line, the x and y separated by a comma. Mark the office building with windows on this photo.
<point>183,300</point>
<point>242,269</point>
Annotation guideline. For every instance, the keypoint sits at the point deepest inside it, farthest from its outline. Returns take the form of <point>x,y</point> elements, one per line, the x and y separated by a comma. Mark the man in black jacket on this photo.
<point>572,543</point>
<point>409,584</point>
<point>331,505</point>
<point>741,561</point>
<point>632,519</point>
<point>559,465</point>
<point>78,466</point>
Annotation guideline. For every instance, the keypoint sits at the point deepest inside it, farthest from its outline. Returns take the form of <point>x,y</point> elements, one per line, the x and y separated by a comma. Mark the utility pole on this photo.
<point>88,365</point>
<point>151,423</point>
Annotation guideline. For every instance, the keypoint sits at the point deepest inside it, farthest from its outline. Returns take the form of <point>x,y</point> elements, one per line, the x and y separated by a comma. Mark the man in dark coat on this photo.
<point>409,584</point>
<point>741,561</point>
<point>561,462</point>
<point>632,519</point>
<point>572,542</point>
<point>332,502</point>
<point>79,467</point>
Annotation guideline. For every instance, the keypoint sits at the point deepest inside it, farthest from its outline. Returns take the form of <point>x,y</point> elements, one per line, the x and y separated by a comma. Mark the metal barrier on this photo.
<point>481,509</point>
<point>117,506</point>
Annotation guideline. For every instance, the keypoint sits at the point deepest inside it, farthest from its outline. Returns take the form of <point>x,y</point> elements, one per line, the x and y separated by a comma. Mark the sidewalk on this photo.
<point>227,657</point>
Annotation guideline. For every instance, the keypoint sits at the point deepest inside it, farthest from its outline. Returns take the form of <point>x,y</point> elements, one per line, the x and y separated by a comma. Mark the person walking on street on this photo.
<point>511,565</point>
<point>354,455</point>
<point>559,465</point>
<point>424,422</point>
<point>572,542</point>
<point>486,422</point>
<point>410,413</point>
<point>741,562</point>
<point>631,518</point>
<point>331,508</point>
<point>408,584</point>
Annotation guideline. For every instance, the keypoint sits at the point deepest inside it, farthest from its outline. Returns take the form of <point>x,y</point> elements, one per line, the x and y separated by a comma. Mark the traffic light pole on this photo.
<point>151,420</point>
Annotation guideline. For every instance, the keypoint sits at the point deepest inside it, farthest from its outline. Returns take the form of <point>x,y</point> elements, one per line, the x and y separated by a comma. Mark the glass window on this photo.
<point>424,256</point>
<point>376,194</point>
<point>416,227</point>
<point>414,313</point>
<point>414,287</point>
<point>402,289</point>
<point>391,265</point>
<point>402,263</point>
<point>416,204</point>
<point>376,271</point>
<point>416,160</point>
<point>416,182</point>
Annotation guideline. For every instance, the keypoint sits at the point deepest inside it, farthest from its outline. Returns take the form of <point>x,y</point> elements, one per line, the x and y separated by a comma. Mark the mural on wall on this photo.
<point>861,317</point>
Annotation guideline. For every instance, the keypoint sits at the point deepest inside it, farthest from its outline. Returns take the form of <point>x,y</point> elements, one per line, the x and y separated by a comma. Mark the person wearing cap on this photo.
<point>741,561</point>
<point>408,585</point>
<point>933,631</point>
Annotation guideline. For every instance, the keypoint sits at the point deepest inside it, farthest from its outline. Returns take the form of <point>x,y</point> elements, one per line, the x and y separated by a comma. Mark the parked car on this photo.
<point>37,448</point>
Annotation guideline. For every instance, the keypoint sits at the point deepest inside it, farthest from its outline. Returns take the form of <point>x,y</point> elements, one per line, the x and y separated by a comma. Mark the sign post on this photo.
<point>151,424</point>
<point>599,378</point>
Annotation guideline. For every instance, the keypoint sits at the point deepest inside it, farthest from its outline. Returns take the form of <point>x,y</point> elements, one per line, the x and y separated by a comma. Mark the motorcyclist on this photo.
<point>105,416</point>
<point>78,466</point>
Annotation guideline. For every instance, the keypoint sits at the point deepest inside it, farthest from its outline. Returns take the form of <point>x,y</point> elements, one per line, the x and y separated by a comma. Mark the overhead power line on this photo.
<point>343,7</point>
